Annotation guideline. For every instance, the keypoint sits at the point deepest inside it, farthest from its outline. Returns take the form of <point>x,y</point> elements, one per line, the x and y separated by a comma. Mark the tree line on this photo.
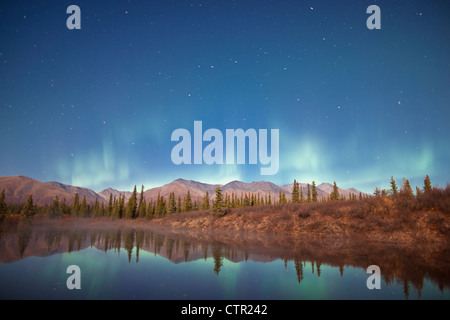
<point>137,206</point>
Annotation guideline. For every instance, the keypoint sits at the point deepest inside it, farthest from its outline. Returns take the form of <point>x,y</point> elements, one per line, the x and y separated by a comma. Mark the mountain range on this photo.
<point>18,188</point>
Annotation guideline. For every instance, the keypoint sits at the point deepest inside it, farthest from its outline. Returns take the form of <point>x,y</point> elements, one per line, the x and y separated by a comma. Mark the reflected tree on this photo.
<point>205,251</point>
<point>158,241</point>
<point>169,247</point>
<point>28,211</point>
<point>218,259</point>
<point>128,239</point>
<point>139,242</point>
<point>299,269</point>
<point>106,240</point>
<point>70,240</point>
<point>186,246</point>
<point>405,288</point>
<point>23,237</point>
<point>50,236</point>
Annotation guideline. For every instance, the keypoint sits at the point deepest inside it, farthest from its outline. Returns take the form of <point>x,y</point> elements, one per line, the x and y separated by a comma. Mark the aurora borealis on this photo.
<point>96,107</point>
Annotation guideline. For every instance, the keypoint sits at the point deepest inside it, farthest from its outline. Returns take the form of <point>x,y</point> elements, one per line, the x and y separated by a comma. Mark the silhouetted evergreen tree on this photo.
<point>217,208</point>
<point>96,210</point>
<point>121,206</point>
<point>75,209</point>
<point>28,210</point>
<point>84,210</point>
<point>394,188</point>
<point>179,206</point>
<point>205,203</point>
<point>109,209</point>
<point>335,193</point>
<point>160,209</point>
<point>150,210</point>
<point>418,191</point>
<point>172,207</point>
<point>283,198</point>
<point>187,203</point>
<point>295,192</point>
<point>427,184</point>
<point>115,214</point>
<point>54,210</point>
<point>142,209</point>
<point>130,210</point>
<point>314,192</point>
<point>406,188</point>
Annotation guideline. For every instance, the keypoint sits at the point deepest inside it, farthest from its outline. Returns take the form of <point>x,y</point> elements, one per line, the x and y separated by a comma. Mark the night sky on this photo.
<point>96,107</point>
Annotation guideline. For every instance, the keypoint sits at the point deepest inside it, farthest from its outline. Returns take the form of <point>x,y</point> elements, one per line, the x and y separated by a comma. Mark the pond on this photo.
<point>149,263</point>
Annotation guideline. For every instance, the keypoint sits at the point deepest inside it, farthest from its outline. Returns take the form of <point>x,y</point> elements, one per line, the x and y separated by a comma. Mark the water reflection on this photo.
<point>408,266</point>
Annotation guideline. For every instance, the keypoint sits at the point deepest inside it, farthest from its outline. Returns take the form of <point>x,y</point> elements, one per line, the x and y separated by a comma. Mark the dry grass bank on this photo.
<point>401,218</point>
<point>423,218</point>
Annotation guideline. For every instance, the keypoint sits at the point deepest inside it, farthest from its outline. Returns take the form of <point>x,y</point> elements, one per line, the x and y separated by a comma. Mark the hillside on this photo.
<point>18,188</point>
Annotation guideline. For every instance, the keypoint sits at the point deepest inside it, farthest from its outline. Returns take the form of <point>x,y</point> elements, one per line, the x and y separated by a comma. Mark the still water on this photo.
<point>144,263</point>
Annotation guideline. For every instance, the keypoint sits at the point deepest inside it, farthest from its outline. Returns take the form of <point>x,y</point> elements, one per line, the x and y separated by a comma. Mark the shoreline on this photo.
<point>430,227</point>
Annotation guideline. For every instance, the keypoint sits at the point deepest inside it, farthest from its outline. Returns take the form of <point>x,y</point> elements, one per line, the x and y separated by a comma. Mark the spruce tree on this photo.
<point>142,209</point>
<point>172,206</point>
<point>394,188</point>
<point>308,196</point>
<point>110,206</point>
<point>84,209</point>
<point>130,210</point>
<point>406,188</point>
<point>96,211</point>
<point>150,211</point>
<point>283,198</point>
<point>217,208</point>
<point>28,210</point>
<point>418,191</point>
<point>295,192</point>
<point>187,202</point>
<point>205,203</point>
<point>75,209</point>
<point>335,194</point>
<point>314,192</point>
<point>141,206</point>
<point>247,200</point>
<point>427,184</point>
<point>54,210</point>
<point>121,206</point>
<point>115,213</point>
<point>158,207</point>
<point>179,207</point>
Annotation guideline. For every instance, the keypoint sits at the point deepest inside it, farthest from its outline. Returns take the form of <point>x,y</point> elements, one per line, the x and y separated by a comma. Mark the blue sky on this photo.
<point>96,107</point>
